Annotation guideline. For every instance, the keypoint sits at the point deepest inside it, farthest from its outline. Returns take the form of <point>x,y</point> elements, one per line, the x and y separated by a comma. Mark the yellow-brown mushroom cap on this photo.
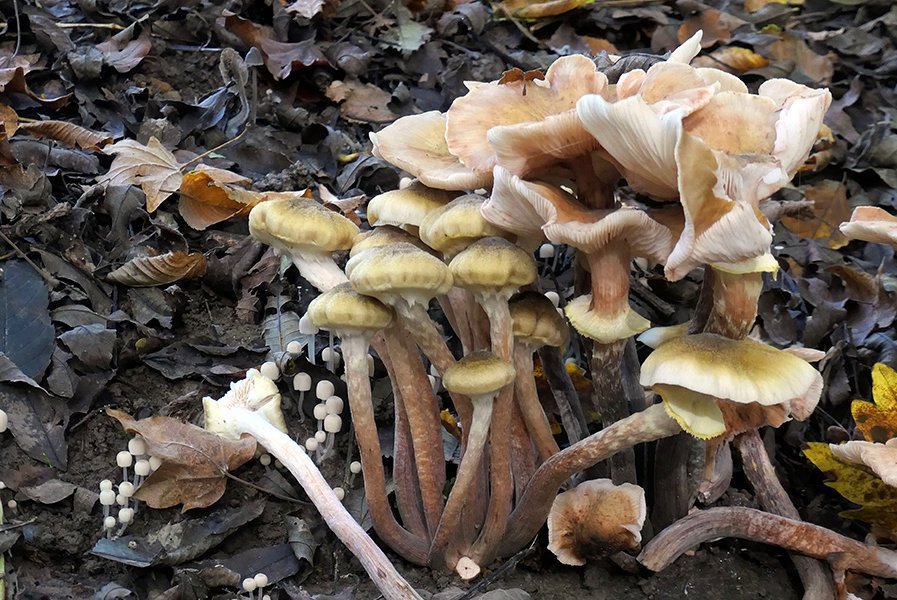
<point>406,206</point>
<point>298,224</point>
<point>602,327</point>
<point>344,311</point>
<point>477,374</point>
<point>387,272</point>
<point>596,519</point>
<point>537,321</point>
<point>493,264</point>
<point>384,235</point>
<point>451,228</point>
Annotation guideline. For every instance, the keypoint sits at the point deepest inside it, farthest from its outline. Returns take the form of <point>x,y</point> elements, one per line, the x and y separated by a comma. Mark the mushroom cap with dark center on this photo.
<point>297,224</point>
<point>493,264</point>
<point>451,228</point>
<point>537,321</point>
<point>477,374</point>
<point>343,310</point>
<point>406,206</point>
<point>384,235</point>
<point>387,272</point>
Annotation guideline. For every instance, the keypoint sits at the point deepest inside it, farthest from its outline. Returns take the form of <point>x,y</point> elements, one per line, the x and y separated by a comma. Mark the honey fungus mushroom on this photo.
<point>596,519</point>
<point>308,233</point>
<point>871,224</point>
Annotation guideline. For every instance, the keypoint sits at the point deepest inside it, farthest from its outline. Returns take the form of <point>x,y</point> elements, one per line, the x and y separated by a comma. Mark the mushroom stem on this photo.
<point>403,471</point>
<point>377,565</point>
<point>648,425</point>
<point>816,578</point>
<point>734,307</point>
<point>423,419</point>
<point>501,482</point>
<point>756,525</point>
<point>318,269</point>
<point>409,546</point>
<point>528,400</point>
<point>610,399</point>
<point>445,550</point>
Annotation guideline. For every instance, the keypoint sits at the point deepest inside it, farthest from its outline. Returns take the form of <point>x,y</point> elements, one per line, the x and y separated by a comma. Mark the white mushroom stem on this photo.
<point>377,565</point>
<point>445,548</point>
<point>528,400</point>
<point>532,510</point>
<point>773,498</point>
<point>319,269</point>
<point>751,524</point>
<point>411,547</point>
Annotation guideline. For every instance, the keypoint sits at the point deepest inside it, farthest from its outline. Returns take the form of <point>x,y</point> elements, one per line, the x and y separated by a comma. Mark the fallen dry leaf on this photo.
<point>194,461</point>
<point>755,5</point>
<point>67,134</point>
<point>305,8</point>
<point>808,65</point>
<point>830,209</point>
<point>878,421</point>
<point>716,25</point>
<point>8,119</point>
<point>152,167</point>
<point>361,102</point>
<point>280,57</point>
<point>123,51</point>
<point>528,9</point>
<point>209,195</point>
<point>734,59</point>
<point>159,270</point>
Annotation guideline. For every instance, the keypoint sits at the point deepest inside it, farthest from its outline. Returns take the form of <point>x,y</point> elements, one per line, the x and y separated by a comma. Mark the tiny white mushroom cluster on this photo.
<point>117,500</point>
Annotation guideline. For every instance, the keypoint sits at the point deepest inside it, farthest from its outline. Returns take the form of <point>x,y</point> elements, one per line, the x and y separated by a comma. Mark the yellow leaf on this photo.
<point>734,59</point>
<point>878,421</point>
<point>527,9</point>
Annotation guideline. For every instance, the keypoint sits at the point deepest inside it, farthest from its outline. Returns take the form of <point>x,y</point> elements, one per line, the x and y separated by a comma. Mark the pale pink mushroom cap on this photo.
<point>881,458</point>
<point>871,224</point>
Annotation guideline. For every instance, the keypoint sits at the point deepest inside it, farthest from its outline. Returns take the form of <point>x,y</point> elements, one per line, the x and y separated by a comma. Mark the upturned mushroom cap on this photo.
<point>537,321</point>
<point>292,225</point>
<point>416,144</point>
<point>691,372</point>
<point>493,104</point>
<point>881,458</point>
<point>384,235</point>
<point>596,519</point>
<point>601,328</point>
<point>493,265</point>
<point>344,311</point>
<point>871,224</point>
<point>255,393</point>
<point>451,228</point>
<point>400,270</point>
<point>406,206</point>
<point>478,374</point>
<point>510,205</point>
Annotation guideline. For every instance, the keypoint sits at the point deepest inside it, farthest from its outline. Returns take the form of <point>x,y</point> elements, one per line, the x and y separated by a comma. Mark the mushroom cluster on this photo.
<point>511,166</point>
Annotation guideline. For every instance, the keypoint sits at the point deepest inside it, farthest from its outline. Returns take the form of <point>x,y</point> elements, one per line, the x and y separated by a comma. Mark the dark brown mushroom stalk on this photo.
<point>355,318</point>
<point>492,269</point>
<point>479,376</point>
<point>537,323</point>
<point>308,233</point>
<point>702,526</point>
<point>252,406</point>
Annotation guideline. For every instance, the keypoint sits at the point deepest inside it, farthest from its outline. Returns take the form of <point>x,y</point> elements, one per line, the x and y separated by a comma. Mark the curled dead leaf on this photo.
<point>534,9</point>
<point>734,59</point>
<point>830,209</point>
<point>8,119</point>
<point>123,51</point>
<point>159,270</point>
<point>280,57</point>
<point>361,102</point>
<point>68,134</point>
<point>152,167</point>
<point>194,461</point>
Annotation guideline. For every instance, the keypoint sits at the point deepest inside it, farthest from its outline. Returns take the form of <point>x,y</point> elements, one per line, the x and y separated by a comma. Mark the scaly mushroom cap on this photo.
<point>400,270</point>
<point>596,519</point>
<point>407,206</point>
<point>298,224</point>
<point>493,265</point>
<point>416,144</point>
<point>881,458</point>
<point>384,235</point>
<point>692,372</point>
<point>494,104</point>
<point>344,311</point>
<point>477,374</point>
<point>536,321</point>
<point>718,230</point>
<point>871,224</point>
<point>523,148</point>
<point>451,228</point>
<point>255,393</point>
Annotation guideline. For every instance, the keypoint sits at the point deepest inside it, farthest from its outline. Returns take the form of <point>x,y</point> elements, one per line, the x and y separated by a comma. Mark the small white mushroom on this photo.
<point>270,370</point>
<point>136,446</point>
